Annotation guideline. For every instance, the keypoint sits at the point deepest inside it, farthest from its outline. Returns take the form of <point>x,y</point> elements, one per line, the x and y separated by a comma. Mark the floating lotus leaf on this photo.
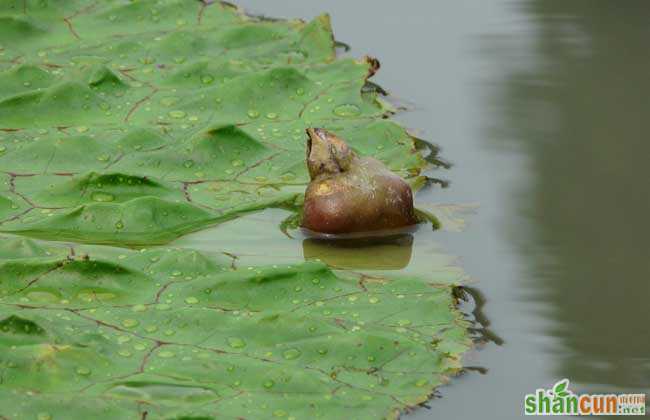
<point>136,122</point>
<point>101,332</point>
<point>126,124</point>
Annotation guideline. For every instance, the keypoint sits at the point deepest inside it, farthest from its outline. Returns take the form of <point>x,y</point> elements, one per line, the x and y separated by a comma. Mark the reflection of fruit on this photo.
<point>351,194</point>
<point>391,252</point>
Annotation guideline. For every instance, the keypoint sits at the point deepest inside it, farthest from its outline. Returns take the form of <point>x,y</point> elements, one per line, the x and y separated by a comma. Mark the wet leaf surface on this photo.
<point>134,123</point>
<point>126,125</point>
<point>173,332</point>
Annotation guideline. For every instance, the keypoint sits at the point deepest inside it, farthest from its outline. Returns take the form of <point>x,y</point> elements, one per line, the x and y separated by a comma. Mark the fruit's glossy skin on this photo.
<point>348,193</point>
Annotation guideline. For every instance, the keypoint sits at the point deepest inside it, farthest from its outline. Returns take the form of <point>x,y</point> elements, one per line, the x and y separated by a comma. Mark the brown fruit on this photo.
<point>348,193</point>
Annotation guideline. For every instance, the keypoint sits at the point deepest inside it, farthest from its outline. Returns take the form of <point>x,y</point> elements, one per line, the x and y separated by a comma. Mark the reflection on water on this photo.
<point>582,113</point>
<point>258,239</point>
<point>391,252</point>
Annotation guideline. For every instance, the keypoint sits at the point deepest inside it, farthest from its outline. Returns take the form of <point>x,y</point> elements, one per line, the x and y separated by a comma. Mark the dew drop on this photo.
<point>236,342</point>
<point>119,225</point>
<point>253,113</point>
<point>166,354</point>
<point>373,299</point>
<point>130,322</point>
<point>124,353</point>
<point>271,115</point>
<point>291,354</point>
<point>177,114</point>
<point>188,163</point>
<point>191,300</point>
<point>268,384</point>
<point>347,110</point>
<point>237,162</point>
<point>42,296</point>
<point>83,371</point>
<point>102,197</point>
<point>300,91</point>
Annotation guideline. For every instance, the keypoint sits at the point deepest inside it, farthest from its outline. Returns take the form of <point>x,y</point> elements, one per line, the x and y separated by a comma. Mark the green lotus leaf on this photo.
<point>125,125</point>
<point>186,113</point>
<point>113,333</point>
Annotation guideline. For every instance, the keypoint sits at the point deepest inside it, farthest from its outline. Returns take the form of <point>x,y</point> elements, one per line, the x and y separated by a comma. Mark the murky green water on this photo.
<point>544,109</point>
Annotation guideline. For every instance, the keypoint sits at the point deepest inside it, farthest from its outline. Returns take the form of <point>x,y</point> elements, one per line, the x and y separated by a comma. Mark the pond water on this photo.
<point>543,108</point>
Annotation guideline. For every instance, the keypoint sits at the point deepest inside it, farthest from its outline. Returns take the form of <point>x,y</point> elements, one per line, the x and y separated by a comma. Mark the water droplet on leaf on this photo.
<point>130,323</point>
<point>166,354</point>
<point>347,110</point>
<point>236,342</point>
<point>177,114</point>
<point>102,197</point>
<point>83,371</point>
<point>291,354</point>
